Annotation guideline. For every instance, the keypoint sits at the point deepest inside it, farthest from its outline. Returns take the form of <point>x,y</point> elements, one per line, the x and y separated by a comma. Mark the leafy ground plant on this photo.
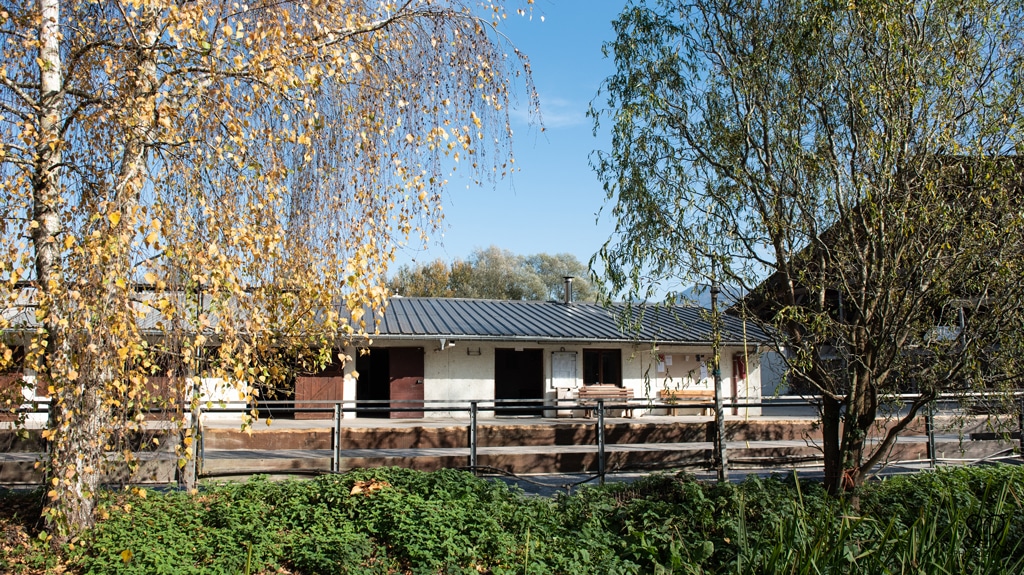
<point>397,521</point>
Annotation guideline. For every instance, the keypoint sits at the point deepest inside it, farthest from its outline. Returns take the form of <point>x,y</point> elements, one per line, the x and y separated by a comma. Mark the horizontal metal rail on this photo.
<point>41,405</point>
<point>600,406</point>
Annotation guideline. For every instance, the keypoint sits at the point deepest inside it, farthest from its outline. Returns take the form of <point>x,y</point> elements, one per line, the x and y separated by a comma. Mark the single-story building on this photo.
<point>449,350</point>
<point>440,352</point>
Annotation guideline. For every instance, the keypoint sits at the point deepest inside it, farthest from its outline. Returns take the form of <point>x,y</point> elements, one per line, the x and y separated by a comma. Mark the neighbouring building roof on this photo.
<point>504,320</point>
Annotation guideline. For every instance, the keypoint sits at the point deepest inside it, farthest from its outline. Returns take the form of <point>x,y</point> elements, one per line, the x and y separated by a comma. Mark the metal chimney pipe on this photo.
<point>568,289</point>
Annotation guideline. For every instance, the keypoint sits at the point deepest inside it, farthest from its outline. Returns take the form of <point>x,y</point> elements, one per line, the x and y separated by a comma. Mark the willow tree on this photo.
<point>853,166</point>
<point>194,191</point>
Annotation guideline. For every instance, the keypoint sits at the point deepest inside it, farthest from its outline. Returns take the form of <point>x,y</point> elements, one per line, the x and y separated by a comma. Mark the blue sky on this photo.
<point>550,204</point>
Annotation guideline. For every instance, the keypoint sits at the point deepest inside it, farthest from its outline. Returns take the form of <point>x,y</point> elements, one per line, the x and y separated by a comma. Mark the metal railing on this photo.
<point>600,408</point>
<point>1012,404</point>
<point>508,407</point>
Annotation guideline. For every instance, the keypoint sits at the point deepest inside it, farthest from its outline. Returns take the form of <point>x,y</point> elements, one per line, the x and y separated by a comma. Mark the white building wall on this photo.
<point>672,368</point>
<point>348,390</point>
<point>457,374</point>
<point>217,395</point>
<point>465,371</point>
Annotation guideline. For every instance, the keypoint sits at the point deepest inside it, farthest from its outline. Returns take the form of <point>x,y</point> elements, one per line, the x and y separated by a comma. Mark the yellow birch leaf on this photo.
<point>115,218</point>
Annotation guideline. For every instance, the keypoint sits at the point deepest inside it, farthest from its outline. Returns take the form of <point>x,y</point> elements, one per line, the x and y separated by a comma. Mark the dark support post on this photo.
<point>929,426</point>
<point>336,440</point>
<point>202,444</point>
<point>600,440</point>
<point>1020,424</point>
<point>473,408</point>
<point>721,464</point>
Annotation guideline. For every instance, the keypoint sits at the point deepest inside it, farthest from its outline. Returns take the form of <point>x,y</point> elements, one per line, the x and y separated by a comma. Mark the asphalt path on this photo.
<point>555,484</point>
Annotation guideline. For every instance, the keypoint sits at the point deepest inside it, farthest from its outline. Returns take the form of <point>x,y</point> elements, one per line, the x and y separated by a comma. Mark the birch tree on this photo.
<point>854,166</point>
<point>199,189</point>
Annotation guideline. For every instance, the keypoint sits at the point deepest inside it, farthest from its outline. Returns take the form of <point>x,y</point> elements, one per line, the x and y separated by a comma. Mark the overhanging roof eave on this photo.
<point>547,339</point>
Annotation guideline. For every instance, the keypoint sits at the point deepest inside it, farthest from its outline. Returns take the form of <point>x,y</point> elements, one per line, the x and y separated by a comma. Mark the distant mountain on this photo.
<point>700,295</point>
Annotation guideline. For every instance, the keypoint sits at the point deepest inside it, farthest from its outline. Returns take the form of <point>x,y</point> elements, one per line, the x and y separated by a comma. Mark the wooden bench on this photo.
<point>588,395</point>
<point>680,396</point>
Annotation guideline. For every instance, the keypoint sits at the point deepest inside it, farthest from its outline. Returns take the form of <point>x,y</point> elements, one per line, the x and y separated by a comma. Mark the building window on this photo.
<point>602,366</point>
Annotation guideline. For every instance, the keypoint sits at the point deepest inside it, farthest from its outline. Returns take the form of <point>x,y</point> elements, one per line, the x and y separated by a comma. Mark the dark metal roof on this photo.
<point>408,318</point>
<point>507,320</point>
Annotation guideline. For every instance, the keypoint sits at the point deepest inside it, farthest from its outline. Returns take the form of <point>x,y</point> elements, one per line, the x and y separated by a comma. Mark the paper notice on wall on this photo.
<point>703,370</point>
<point>563,369</point>
<point>661,363</point>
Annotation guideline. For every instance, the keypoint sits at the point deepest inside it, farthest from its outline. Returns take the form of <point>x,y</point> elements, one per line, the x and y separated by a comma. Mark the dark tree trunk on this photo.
<point>831,431</point>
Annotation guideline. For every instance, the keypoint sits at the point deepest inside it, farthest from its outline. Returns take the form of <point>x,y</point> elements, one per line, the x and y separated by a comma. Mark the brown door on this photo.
<point>327,385</point>
<point>162,397</point>
<point>405,372</point>
<point>11,396</point>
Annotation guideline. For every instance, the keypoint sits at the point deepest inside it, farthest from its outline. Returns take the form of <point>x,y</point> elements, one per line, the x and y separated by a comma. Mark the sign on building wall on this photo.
<point>664,362</point>
<point>563,369</point>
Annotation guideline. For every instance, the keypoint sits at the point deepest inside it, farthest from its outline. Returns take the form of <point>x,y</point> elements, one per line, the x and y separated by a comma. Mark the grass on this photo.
<point>957,520</point>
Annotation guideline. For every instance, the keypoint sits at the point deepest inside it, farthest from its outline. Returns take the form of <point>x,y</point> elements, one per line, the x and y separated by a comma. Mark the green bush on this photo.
<point>390,520</point>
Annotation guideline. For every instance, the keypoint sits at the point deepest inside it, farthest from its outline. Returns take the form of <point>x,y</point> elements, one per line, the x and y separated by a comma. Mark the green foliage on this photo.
<point>948,521</point>
<point>218,532</point>
<point>986,500</point>
<point>393,520</point>
<point>851,166</point>
<point>494,273</point>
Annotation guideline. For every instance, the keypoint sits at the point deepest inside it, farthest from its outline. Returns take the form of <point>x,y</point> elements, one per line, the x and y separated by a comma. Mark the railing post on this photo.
<point>201,456</point>
<point>721,463</point>
<point>336,440</point>
<point>473,408</point>
<point>600,440</point>
<point>929,427</point>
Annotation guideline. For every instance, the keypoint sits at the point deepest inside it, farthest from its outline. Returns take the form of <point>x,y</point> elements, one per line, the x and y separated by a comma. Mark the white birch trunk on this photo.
<point>75,418</point>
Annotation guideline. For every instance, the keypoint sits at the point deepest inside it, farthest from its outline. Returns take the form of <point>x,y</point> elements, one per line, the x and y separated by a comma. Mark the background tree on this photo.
<point>494,273</point>
<point>203,189</point>
<point>861,157</point>
<point>552,270</point>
